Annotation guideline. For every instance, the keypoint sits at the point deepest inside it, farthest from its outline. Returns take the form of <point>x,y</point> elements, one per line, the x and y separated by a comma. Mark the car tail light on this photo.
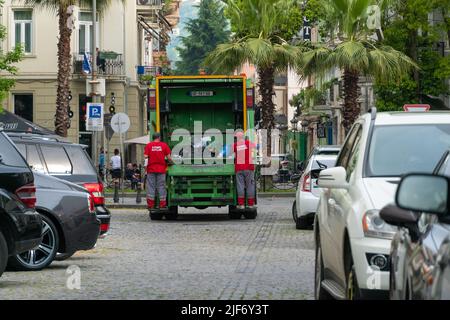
<point>96,191</point>
<point>27,194</point>
<point>91,204</point>
<point>306,184</point>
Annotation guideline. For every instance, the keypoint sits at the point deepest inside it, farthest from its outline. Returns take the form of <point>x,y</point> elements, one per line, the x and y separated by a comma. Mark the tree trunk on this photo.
<point>64,73</point>
<point>266,84</point>
<point>352,109</point>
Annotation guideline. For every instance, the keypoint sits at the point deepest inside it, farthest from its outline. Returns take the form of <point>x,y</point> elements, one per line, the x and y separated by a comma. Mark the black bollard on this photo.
<point>138,195</point>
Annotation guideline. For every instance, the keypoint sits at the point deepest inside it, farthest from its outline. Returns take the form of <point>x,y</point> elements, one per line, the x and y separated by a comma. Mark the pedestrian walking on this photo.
<point>156,152</point>
<point>245,170</point>
<point>116,172</point>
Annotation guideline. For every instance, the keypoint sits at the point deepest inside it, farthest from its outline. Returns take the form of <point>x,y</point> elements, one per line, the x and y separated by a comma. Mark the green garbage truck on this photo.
<point>196,116</point>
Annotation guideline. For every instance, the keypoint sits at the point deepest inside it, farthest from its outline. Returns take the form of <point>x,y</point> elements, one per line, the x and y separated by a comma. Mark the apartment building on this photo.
<point>128,33</point>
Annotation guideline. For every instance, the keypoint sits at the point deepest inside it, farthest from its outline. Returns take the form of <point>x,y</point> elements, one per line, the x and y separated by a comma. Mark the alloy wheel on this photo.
<point>45,250</point>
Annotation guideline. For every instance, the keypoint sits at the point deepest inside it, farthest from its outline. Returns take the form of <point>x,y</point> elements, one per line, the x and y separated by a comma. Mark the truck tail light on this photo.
<point>306,183</point>
<point>27,194</point>
<point>152,99</point>
<point>250,98</point>
<point>96,191</point>
<point>104,227</point>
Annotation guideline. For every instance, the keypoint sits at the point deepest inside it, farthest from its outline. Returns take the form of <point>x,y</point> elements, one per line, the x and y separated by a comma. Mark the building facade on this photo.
<point>128,33</point>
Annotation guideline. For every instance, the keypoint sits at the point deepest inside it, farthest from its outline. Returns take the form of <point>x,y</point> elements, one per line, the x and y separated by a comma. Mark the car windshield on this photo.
<point>396,150</point>
<point>9,155</point>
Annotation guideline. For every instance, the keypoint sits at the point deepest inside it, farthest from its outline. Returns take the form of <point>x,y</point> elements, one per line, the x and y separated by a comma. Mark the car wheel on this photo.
<point>319,292</point>
<point>38,259</point>
<point>294,211</point>
<point>3,253</point>
<point>250,215</point>
<point>172,214</point>
<point>352,291</point>
<point>64,256</point>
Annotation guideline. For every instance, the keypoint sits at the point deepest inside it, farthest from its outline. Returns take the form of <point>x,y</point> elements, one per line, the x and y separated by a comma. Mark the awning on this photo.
<point>141,140</point>
<point>10,122</point>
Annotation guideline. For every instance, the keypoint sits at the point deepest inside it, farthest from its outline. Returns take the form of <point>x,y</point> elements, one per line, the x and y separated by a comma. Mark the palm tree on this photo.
<point>257,25</point>
<point>353,50</point>
<point>61,8</point>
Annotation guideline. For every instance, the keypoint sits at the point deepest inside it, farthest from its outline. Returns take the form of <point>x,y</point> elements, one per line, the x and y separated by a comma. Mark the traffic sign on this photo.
<point>120,123</point>
<point>94,117</point>
<point>416,107</point>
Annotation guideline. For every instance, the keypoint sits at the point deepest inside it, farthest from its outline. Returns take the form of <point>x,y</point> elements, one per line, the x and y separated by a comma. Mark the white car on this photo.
<point>352,241</point>
<point>308,192</point>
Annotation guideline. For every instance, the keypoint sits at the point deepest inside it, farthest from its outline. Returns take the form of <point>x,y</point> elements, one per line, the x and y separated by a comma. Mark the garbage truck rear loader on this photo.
<point>197,116</point>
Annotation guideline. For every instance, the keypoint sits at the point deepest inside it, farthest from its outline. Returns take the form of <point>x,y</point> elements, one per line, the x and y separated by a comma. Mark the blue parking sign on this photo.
<point>95,111</point>
<point>94,119</point>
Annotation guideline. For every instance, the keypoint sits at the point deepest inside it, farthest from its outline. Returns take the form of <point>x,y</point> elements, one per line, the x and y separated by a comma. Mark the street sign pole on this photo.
<point>120,123</point>
<point>94,75</point>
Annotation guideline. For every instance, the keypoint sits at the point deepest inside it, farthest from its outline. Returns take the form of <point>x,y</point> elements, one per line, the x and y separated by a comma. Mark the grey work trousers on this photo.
<point>156,181</point>
<point>245,180</point>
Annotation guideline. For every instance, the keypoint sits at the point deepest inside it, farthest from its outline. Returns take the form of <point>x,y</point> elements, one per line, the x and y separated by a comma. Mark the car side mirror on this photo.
<point>398,217</point>
<point>424,193</point>
<point>301,166</point>
<point>333,178</point>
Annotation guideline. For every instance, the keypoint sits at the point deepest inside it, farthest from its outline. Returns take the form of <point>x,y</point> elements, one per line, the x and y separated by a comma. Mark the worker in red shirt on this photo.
<point>245,170</point>
<point>156,153</point>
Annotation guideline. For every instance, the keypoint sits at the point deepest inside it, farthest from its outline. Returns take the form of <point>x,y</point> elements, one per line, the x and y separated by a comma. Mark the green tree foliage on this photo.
<point>407,28</point>
<point>7,61</point>
<point>353,50</point>
<point>208,30</point>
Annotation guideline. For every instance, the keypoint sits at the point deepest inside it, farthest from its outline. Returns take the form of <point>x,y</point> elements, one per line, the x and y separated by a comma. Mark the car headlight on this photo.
<point>375,227</point>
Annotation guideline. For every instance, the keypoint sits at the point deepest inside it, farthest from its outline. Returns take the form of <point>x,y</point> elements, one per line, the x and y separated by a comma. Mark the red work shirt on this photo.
<point>157,152</point>
<point>243,155</point>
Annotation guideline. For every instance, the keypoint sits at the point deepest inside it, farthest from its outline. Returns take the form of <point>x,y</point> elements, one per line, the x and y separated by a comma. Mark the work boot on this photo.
<point>241,203</point>
<point>162,204</point>
<point>150,203</point>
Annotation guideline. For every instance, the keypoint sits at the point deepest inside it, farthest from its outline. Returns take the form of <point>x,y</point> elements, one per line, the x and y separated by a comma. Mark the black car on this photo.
<point>20,224</point>
<point>69,219</point>
<point>52,155</point>
<point>420,250</point>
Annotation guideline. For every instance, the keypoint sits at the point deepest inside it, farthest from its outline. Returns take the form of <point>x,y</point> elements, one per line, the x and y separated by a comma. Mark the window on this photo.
<point>23,106</point>
<point>351,165</point>
<point>9,156</point>
<point>347,148</point>
<point>22,30</point>
<point>34,160</point>
<point>81,162</point>
<point>57,160</point>
<point>396,150</point>
<point>86,33</point>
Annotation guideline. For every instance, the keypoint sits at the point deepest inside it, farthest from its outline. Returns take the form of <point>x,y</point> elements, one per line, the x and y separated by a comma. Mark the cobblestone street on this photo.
<point>200,256</point>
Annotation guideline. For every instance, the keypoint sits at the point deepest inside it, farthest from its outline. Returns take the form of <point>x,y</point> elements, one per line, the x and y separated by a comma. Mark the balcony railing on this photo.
<point>108,65</point>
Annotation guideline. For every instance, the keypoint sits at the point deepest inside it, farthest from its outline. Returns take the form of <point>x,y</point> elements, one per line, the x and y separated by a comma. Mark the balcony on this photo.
<point>110,65</point>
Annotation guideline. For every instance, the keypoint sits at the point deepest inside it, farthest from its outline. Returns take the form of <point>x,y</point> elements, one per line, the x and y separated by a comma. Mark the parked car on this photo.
<point>54,156</point>
<point>20,224</point>
<point>352,241</point>
<point>420,252</point>
<point>308,192</point>
<point>69,219</point>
